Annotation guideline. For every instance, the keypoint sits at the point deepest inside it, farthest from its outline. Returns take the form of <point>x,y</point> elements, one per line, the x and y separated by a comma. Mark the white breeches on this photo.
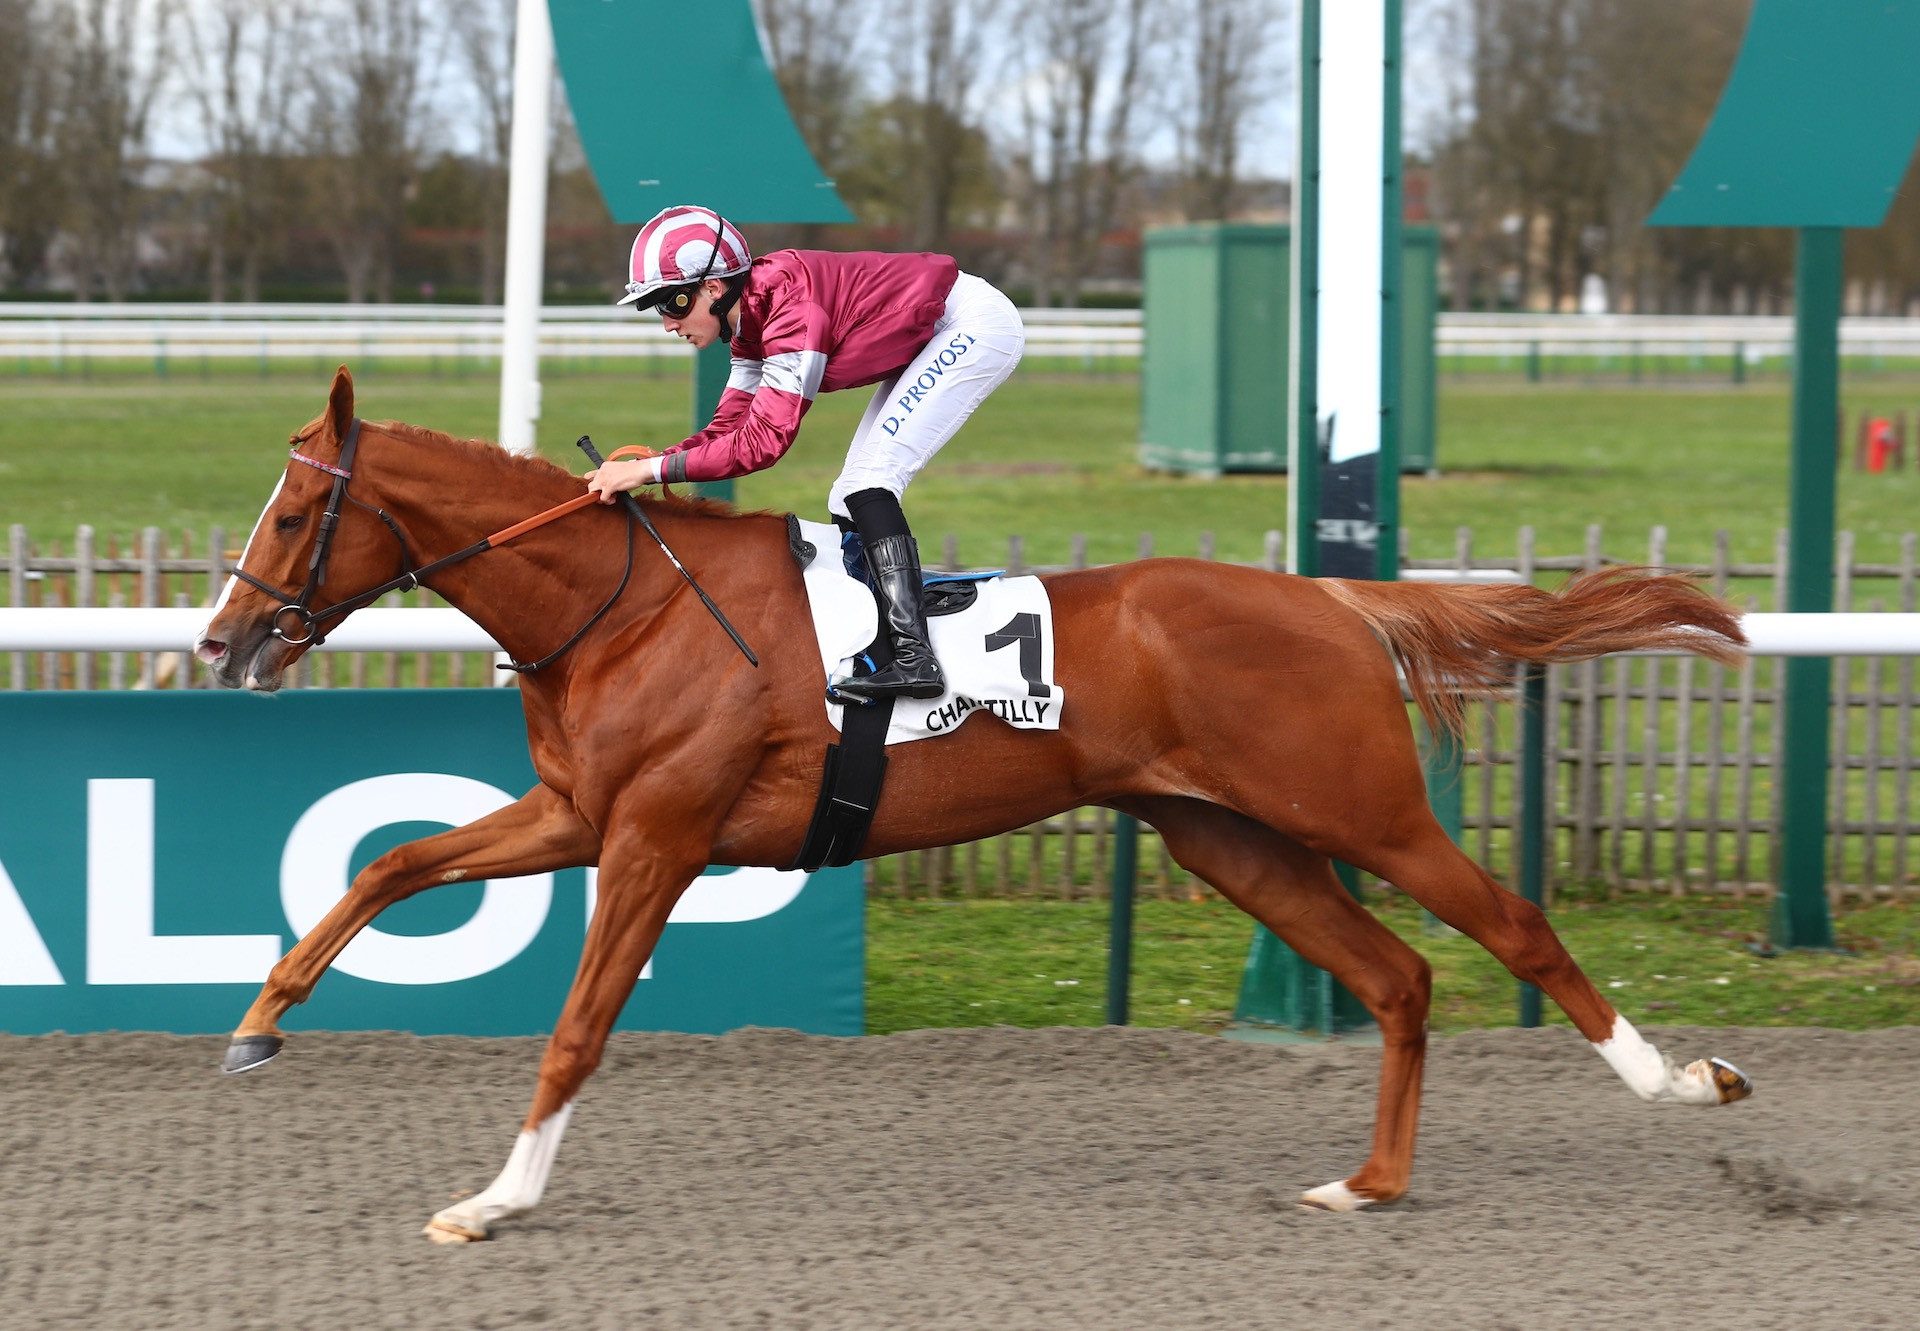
<point>974,347</point>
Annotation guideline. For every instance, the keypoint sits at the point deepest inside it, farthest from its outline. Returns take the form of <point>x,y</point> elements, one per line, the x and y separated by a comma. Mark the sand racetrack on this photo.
<point>987,1178</point>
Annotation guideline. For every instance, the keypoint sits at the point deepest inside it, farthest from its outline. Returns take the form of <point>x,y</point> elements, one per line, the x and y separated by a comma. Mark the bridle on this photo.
<point>300,607</point>
<point>310,620</point>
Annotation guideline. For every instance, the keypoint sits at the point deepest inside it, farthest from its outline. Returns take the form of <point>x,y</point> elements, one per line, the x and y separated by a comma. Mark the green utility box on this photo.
<point>1213,378</point>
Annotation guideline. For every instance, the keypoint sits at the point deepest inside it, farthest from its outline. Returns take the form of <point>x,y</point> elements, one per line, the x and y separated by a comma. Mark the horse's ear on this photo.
<point>340,403</point>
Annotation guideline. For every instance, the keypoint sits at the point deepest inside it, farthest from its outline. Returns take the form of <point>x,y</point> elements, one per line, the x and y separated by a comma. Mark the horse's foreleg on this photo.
<point>1441,877</point>
<point>535,834</point>
<point>1293,891</point>
<point>638,888</point>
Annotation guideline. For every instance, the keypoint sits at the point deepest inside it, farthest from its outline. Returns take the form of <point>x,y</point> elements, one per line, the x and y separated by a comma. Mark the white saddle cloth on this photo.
<point>997,653</point>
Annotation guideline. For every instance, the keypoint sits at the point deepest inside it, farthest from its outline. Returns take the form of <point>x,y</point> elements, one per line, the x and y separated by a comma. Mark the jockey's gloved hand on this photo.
<point>620,475</point>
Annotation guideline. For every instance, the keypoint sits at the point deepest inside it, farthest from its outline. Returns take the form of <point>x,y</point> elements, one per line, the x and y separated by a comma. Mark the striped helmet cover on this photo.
<point>673,248</point>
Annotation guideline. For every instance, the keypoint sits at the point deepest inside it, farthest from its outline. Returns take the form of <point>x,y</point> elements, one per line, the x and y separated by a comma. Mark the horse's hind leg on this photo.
<point>1293,891</point>
<point>638,887</point>
<point>536,833</point>
<point>1428,867</point>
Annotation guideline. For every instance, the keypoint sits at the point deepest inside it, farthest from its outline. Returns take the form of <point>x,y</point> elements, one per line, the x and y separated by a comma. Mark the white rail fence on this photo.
<point>1660,771</point>
<point>63,333</point>
<point>1754,337</point>
<point>428,629</point>
<point>70,333</point>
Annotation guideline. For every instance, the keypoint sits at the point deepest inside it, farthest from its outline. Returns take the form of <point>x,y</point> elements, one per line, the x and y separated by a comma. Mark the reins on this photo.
<point>637,510</point>
<point>412,577</point>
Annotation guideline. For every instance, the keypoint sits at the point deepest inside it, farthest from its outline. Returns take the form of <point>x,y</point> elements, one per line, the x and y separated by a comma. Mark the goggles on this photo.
<point>677,302</point>
<point>673,302</point>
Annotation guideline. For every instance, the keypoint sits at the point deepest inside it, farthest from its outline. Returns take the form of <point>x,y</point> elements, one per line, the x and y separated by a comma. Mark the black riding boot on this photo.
<point>894,562</point>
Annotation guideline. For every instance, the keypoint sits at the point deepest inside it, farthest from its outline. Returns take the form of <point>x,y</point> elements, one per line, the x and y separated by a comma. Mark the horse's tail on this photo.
<point>1457,642</point>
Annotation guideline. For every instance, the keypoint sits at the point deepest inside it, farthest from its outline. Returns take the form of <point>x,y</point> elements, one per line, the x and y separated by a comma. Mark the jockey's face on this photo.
<point>699,325</point>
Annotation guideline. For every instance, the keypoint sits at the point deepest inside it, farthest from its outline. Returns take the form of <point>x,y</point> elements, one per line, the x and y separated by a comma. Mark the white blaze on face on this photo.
<point>245,554</point>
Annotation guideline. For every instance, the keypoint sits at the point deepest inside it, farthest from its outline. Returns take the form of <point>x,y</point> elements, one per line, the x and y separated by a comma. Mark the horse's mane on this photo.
<point>530,465</point>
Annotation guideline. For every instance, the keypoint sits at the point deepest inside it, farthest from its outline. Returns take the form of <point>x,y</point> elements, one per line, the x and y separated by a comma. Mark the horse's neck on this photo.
<point>532,591</point>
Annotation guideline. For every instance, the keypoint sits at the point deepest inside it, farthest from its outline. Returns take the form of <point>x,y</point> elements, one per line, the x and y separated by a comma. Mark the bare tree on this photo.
<point>239,56</point>
<point>934,94</point>
<point>1888,259</point>
<point>1231,48</point>
<point>32,184</point>
<point>484,32</point>
<point>1082,64</point>
<point>1574,117</point>
<point>369,111</point>
<point>816,48</point>
<point>1469,224</point>
<point>110,75</point>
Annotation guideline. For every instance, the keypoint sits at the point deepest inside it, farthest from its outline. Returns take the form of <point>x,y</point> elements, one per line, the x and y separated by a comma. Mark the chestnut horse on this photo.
<point>1254,719</point>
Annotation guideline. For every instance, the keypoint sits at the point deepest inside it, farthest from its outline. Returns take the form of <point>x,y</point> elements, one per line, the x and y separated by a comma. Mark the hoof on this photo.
<point>1333,1197</point>
<point>1731,1082</point>
<point>247,1052</point>
<point>446,1231</point>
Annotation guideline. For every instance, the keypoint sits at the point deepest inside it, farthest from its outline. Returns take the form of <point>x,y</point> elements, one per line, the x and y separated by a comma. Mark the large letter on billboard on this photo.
<point>122,947</point>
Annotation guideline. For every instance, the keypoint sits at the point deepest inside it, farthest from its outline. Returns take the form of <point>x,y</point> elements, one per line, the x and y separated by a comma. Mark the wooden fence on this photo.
<point>1660,770</point>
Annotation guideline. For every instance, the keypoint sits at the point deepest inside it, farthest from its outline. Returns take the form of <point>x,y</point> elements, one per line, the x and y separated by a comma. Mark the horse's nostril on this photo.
<point>210,650</point>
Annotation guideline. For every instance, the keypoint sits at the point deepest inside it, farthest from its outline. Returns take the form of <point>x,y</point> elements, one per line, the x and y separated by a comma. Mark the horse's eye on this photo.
<point>289,522</point>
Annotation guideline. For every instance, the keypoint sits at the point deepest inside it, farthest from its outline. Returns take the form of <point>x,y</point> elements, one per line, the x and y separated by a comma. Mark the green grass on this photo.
<point>1660,960</point>
<point>1051,455</point>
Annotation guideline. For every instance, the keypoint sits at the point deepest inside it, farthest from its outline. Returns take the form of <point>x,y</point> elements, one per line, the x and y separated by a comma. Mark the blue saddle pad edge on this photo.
<point>853,559</point>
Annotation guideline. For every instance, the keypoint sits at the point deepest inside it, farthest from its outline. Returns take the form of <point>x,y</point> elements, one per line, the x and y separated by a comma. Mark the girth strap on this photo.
<point>856,769</point>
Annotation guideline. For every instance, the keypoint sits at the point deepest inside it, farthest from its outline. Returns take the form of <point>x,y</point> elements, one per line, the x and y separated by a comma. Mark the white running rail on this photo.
<point>61,629</point>
<point>64,331</point>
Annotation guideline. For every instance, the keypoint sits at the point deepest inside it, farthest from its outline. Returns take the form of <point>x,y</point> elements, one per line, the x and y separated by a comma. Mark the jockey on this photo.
<point>935,340</point>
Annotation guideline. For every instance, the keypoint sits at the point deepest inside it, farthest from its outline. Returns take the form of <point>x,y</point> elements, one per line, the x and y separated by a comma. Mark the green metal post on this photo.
<point>1393,262</point>
<point>1281,993</point>
<point>1532,810</point>
<point>1800,916</point>
<point>1303,367</point>
<point>1278,987</point>
<point>1280,990</point>
<point>711,365</point>
<point>1441,761</point>
<point>1126,846</point>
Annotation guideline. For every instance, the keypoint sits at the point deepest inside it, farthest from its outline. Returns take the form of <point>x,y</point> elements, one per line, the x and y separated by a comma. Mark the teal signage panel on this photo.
<point>1817,123</point>
<point>160,851</point>
<point>676,103</point>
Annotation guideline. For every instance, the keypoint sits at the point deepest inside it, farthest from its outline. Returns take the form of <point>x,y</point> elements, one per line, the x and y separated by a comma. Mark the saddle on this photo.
<point>941,593</point>
<point>855,768</point>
